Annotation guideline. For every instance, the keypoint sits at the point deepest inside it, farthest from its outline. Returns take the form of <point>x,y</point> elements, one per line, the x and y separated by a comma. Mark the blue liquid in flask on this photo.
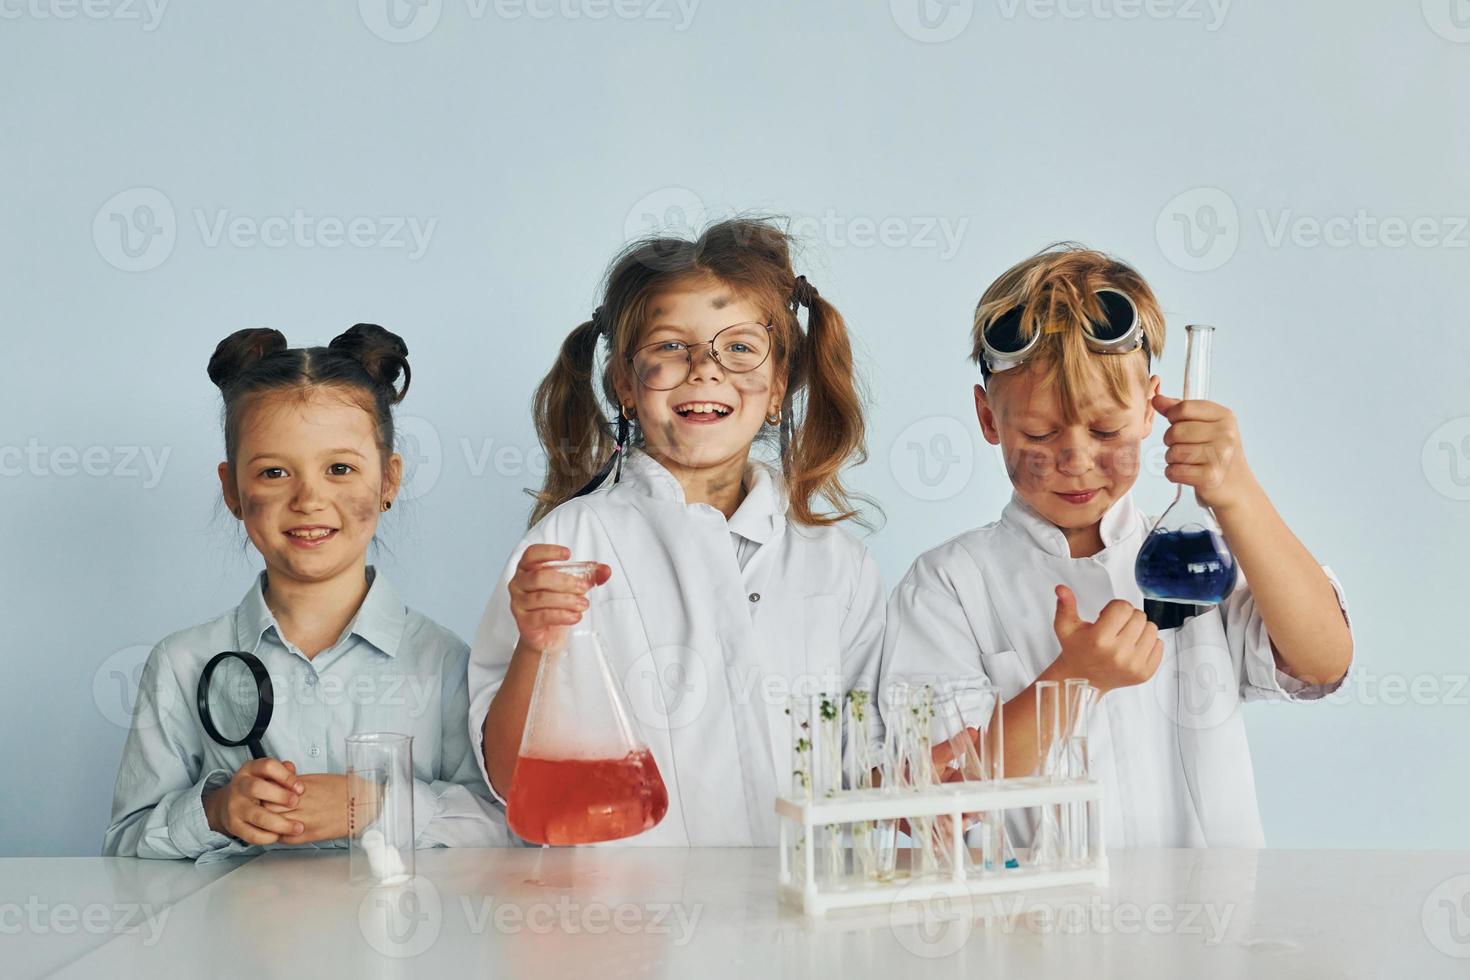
<point>1190,566</point>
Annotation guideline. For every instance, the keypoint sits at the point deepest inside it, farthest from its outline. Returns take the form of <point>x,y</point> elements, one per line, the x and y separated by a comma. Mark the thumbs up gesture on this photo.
<point>1119,650</point>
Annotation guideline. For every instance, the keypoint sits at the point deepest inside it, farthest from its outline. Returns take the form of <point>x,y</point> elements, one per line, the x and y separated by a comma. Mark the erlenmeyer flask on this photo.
<point>584,773</point>
<point>1185,558</point>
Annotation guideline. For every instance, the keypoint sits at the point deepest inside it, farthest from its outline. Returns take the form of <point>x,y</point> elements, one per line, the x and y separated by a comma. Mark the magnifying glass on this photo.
<point>235,699</point>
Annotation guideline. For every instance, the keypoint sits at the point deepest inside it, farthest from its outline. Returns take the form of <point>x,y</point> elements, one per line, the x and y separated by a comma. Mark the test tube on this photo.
<point>802,710</point>
<point>1080,698</point>
<point>892,778</point>
<point>998,853</point>
<point>827,779</point>
<point>860,765</point>
<point>1046,845</point>
<point>380,839</point>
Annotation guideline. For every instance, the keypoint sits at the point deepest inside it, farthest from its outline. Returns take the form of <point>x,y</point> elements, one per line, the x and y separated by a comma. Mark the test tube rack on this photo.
<point>801,884</point>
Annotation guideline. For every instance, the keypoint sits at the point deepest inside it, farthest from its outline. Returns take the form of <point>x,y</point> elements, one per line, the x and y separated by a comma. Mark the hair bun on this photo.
<point>241,351</point>
<point>382,353</point>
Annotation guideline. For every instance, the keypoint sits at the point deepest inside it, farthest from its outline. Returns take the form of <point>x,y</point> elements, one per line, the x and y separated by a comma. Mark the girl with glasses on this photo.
<point>725,581</point>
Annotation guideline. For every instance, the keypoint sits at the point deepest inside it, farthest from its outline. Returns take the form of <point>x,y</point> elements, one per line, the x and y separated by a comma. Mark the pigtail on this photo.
<point>569,419</point>
<point>830,435</point>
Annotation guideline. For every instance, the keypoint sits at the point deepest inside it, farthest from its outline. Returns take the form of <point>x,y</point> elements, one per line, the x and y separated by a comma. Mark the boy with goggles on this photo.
<point>1064,341</point>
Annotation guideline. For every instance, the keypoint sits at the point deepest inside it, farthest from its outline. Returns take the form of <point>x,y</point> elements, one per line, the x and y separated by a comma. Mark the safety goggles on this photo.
<point>1119,332</point>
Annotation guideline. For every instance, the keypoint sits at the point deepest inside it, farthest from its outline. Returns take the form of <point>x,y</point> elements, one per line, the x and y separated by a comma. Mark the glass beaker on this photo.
<point>584,773</point>
<point>380,835</point>
<point>1185,558</point>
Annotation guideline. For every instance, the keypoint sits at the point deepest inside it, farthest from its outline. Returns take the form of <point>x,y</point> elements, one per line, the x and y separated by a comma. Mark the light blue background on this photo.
<point>538,144</point>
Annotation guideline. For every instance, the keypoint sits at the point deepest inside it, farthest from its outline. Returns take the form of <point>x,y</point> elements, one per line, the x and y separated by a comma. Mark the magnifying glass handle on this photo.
<point>256,752</point>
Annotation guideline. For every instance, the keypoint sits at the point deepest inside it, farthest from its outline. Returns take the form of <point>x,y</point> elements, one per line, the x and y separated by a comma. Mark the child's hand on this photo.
<point>1119,650</point>
<point>1205,451</point>
<point>545,601</point>
<point>322,811</point>
<point>250,805</point>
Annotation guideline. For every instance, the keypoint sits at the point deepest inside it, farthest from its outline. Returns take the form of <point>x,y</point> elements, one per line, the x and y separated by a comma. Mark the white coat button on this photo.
<point>311,680</point>
<point>316,750</point>
<point>755,597</point>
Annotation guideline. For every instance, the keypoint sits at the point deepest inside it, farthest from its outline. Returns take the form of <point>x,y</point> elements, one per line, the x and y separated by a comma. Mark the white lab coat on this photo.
<point>1171,752</point>
<point>707,651</point>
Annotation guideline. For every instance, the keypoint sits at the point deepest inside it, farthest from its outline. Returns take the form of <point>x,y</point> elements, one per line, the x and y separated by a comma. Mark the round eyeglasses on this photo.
<point>738,348</point>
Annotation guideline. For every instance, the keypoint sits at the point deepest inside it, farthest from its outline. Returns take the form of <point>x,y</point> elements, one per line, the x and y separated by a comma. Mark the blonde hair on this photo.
<point>823,412</point>
<point>1055,290</point>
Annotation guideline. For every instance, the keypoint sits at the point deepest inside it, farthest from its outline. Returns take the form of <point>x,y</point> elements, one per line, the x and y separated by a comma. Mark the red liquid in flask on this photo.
<point>580,801</point>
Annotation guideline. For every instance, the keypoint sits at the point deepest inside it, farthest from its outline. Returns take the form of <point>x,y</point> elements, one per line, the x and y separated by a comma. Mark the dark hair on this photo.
<point>821,428</point>
<point>366,361</point>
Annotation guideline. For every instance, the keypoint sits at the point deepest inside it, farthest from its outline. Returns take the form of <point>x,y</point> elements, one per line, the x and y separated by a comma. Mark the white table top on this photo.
<point>56,910</point>
<point>598,913</point>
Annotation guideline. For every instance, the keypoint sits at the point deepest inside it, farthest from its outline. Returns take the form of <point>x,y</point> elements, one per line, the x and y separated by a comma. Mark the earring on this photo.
<point>387,505</point>
<point>236,511</point>
<point>776,420</point>
<point>630,412</point>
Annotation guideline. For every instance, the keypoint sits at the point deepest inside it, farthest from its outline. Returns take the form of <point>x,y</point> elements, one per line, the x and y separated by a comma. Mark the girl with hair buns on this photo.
<point>724,582</point>
<point>309,466</point>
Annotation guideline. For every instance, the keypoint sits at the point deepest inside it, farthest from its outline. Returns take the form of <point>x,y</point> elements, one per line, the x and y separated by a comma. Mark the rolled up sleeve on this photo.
<point>1250,646</point>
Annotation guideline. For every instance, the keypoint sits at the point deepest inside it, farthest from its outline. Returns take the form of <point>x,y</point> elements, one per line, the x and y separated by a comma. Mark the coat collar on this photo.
<point>760,515</point>
<point>1118,523</point>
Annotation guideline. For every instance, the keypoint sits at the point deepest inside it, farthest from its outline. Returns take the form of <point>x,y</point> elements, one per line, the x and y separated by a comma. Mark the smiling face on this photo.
<point>309,482</point>
<point>1069,471</point>
<point>709,420</point>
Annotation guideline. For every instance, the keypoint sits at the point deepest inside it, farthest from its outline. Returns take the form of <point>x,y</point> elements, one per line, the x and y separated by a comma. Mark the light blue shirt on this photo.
<point>392,670</point>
